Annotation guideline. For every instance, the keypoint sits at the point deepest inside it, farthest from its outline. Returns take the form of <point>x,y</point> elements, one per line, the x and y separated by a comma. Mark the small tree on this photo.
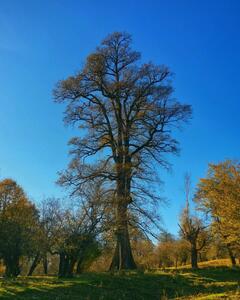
<point>74,234</point>
<point>192,230</point>
<point>171,251</point>
<point>182,251</point>
<point>78,245</point>
<point>18,223</point>
<point>191,227</point>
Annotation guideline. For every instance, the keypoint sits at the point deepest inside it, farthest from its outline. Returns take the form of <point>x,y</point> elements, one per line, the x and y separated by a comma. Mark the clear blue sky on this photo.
<point>44,41</point>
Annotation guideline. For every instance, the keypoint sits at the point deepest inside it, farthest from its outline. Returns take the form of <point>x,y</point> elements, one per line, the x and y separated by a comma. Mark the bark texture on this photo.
<point>34,264</point>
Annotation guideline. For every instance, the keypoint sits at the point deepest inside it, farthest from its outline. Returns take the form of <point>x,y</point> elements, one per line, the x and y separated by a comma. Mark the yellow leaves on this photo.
<point>14,204</point>
<point>220,193</point>
<point>95,64</point>
<point>141,114</point>
<point>104,140</point>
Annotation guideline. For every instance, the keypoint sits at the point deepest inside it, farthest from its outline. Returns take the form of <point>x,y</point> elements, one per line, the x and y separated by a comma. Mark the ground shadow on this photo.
<point>130,286</point>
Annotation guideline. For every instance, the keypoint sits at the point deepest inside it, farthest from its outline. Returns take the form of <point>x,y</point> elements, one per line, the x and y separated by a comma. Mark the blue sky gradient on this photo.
<point>42,42</point>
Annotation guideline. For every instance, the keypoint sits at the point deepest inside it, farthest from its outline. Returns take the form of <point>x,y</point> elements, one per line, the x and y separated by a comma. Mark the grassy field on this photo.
<point>206,283</point>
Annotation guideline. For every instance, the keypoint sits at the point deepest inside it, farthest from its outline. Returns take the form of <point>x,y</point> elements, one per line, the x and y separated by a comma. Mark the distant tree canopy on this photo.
<point>69,236</point>
<point>219,195</point>
<point>166,237</point>
<point>171,251</point>
<point>126,114</point>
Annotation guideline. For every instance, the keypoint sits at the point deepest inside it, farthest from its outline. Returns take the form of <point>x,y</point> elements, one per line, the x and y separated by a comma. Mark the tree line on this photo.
<point>82,234</point>
<point>71,233</point>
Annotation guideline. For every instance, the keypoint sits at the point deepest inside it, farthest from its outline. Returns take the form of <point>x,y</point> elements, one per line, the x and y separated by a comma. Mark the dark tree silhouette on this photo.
<point>18,226</point>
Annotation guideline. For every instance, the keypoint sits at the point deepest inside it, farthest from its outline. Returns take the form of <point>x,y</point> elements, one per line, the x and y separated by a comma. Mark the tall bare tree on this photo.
<point>126,113</point>
<point>191,227</point>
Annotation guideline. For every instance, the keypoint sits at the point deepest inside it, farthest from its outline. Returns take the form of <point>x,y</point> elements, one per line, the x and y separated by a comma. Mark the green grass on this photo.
<point>225,262</point>
<point>207,283</point>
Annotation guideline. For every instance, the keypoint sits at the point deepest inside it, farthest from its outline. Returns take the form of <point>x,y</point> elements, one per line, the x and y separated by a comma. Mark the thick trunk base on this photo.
<point>123,258</point>
<point>45,265</point>
<point>66,266</point>
<point>194,259</point>
<point>12,268</point>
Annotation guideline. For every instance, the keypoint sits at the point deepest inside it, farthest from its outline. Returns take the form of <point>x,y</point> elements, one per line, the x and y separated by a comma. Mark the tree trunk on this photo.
<point>79,266</point>
<point>66,265</point>
<point>71,266</point>
<point>184,261</point>
<point>34,264</point>
<point>45,264</point>
<point>194,257</point>
<point>62,265</point>
<point>176,263</point>
<point>12,267</point>
<point>231,255</point>
<point>122,258</point>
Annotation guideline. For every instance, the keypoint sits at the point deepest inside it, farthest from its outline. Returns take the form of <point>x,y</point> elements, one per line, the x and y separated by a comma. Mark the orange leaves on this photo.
<point>219,193</point>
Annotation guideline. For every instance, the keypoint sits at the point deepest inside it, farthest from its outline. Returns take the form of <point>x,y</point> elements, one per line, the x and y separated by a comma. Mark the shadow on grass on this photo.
<point>132,286</point>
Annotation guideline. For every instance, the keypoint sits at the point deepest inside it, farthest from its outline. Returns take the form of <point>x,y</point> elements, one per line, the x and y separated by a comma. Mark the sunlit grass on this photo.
<point>207,283</point>
<point>225,262</point>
